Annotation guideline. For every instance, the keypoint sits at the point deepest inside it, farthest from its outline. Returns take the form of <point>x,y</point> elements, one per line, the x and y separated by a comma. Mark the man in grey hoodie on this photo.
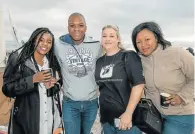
<point>77,55</point>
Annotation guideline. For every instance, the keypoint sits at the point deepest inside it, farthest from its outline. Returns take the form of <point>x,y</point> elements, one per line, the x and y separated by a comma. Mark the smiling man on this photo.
<point>77,54</point>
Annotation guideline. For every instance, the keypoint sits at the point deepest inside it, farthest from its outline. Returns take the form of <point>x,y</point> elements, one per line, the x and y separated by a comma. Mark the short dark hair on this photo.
<point>155,29</point>
<point>77,14</point>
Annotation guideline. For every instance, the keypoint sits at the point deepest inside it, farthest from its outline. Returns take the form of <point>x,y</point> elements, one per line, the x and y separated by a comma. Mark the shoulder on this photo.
<point>100,59</point>
<point>92,44</point>
<point>62,40</point>
<point>129,52</point>
<point>173,49</point>
<point>177,51</point>
<point>13,58</point>
<point>130,55</point>
<point>90,39</point>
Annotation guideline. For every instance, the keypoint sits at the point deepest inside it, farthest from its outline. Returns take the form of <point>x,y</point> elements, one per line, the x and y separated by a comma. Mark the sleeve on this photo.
<point>59,62</point>
<point>97,71</point>
<point>57,53</point>
<point>13,84</point>
<point>186,63</point>
<point>134,68</point>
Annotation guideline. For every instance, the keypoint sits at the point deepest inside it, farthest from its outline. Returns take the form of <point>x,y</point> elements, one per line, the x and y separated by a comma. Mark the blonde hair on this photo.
<point>115,28</point>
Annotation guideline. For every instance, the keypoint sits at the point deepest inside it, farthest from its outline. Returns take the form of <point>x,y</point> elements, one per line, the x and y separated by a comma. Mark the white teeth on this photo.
<point>43,48</point>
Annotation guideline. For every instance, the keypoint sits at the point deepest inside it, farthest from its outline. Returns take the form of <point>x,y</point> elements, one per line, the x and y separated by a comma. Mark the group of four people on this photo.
<point>80,72</point>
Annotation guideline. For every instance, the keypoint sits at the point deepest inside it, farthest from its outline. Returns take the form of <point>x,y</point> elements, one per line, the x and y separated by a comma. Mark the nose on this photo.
<point>143,43</point>
<point>107,38</point>
<point>76,28</point>
<point>45,43</point>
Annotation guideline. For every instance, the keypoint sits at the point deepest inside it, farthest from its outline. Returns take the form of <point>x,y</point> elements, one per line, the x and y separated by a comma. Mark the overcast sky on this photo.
<point>176,17</point>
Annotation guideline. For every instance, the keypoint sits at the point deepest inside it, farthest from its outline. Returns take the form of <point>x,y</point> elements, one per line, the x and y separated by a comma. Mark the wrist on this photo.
<point>130,112</point>
<point>181,100</point>
<point>34,79</point>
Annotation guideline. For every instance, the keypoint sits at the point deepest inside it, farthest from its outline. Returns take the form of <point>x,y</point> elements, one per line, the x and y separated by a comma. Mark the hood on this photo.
<point>68,39</point>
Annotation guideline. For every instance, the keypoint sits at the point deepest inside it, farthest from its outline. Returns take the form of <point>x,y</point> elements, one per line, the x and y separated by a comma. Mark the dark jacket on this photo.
<point>18,83</point>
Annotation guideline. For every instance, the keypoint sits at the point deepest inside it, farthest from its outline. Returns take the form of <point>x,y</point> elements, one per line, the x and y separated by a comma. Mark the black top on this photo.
<point>116,75</point>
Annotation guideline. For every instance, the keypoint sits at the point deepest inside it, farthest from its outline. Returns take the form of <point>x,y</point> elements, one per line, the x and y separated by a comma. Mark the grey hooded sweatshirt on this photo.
<point>78,66</point>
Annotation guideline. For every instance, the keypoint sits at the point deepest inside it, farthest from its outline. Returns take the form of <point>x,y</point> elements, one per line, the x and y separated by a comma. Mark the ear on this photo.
<point>156,40</point>
<point>118,38</point>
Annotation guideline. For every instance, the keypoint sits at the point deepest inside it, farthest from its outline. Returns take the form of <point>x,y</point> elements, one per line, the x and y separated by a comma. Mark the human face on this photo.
<point>77,28</point>
<point>45,44</point>
<point>109,39</point>
<point>146,42</point>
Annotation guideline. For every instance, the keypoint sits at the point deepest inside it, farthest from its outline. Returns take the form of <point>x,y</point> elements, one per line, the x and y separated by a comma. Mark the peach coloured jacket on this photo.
<point>172,71</point>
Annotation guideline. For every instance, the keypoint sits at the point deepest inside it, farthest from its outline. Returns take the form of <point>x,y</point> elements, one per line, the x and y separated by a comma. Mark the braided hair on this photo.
<point>28,49</point>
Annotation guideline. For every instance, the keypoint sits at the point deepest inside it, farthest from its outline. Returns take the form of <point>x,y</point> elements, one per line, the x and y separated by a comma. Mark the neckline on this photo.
<point>113,54</point>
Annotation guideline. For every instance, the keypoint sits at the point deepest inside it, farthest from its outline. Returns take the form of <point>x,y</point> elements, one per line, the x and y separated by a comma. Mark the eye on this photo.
<point>71,26</point>
<point>138,42</point>
<point>81,25</point>
<point>49,42</point>
<point>41,40</point>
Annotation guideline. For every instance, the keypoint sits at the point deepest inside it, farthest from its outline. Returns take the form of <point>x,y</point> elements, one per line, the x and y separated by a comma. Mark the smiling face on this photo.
<point>77,28</point>
<point>146,42</point>
<point>45,44</point>
<point>109,39</point>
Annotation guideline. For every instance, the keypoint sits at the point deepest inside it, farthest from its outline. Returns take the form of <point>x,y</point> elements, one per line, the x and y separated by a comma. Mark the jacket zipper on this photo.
<point>154,81</point>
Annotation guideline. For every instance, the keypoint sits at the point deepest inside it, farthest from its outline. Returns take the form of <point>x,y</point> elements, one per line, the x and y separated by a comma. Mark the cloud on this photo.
<point>176,17</point>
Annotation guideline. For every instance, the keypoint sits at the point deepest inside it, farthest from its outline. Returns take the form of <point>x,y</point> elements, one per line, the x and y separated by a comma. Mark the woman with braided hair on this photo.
<point>36,92</point>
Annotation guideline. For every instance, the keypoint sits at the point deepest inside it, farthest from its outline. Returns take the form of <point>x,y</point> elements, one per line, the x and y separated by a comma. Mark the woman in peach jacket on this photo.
<point>167,69</point>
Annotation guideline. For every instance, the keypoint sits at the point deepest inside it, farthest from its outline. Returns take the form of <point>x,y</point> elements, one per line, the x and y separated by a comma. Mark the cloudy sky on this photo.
<point>176,17</point>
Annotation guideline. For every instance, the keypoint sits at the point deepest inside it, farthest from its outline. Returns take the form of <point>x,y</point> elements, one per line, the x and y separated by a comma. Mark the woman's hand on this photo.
<point>125,121</point>
<point>174,100</point>
<point>50,83</point>
<point>58,131</point>
<point>42,76</point>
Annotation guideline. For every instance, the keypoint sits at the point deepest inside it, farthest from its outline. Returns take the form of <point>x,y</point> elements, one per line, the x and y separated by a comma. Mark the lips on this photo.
<point>77,34</point>
<point>145,49</point>
<point>43,49</point>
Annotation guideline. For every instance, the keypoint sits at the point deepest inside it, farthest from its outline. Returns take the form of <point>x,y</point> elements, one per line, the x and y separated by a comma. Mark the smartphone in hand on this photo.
<point>116,122</point>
